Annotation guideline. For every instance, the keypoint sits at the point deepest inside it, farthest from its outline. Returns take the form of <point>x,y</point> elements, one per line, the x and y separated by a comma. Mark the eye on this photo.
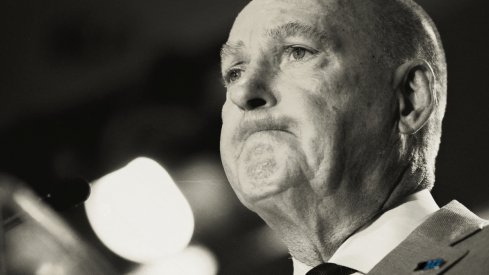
<point>233,75</point>
<point>298,53</point>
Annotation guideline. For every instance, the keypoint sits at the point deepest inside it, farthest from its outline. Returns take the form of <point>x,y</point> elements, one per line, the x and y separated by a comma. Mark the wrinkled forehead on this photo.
<point>261,15</point>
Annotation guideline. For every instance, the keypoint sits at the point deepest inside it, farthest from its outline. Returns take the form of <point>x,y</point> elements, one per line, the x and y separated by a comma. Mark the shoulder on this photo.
<point>454,238</point>
<point>474,243</point>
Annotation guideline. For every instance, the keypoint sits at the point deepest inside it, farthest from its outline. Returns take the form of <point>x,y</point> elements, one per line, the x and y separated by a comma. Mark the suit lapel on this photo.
<point>417,250</point>
<point>434,241</point>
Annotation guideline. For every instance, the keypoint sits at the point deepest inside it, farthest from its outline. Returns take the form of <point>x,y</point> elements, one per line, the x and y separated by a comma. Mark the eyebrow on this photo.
<point>229,49</point>
<point>292,29</point>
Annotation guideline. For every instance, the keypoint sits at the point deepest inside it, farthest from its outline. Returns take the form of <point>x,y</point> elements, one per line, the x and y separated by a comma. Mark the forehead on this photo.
<point>261,15</point>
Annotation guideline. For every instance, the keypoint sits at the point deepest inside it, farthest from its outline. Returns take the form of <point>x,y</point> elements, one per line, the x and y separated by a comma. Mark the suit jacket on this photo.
<point>451,241</point>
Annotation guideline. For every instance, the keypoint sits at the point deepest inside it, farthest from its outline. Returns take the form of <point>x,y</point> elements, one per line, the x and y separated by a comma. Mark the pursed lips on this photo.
<point>271,130</point>
<point>250,127</point>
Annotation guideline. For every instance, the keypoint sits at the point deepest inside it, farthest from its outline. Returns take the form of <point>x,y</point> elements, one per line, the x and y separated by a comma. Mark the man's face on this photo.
<point>307,107</point>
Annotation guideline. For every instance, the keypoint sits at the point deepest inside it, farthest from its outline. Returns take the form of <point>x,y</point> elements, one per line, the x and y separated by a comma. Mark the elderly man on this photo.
<point>330,132</point>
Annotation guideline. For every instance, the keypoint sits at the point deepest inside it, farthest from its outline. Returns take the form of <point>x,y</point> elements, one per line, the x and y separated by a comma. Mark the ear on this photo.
<point>414,84</point>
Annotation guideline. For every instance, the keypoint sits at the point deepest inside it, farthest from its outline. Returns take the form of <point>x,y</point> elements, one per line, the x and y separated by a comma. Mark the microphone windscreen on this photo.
<point>68,193</point>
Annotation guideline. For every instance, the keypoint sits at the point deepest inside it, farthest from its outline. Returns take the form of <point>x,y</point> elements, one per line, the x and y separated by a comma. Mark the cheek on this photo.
<point>314,99</point>
<point>227,148</point>
<point>226,108</point>
<point>230,122</point>
<point>308,81</point>
<point>321,129</point>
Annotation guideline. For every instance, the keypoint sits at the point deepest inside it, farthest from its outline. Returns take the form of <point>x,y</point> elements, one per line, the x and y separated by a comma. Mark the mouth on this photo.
<point>268,125</point>
<point>265,125</point>
<point>271,130</point>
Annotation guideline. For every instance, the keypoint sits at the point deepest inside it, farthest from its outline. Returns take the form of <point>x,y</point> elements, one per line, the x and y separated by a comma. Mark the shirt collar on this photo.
<point>364,249</point>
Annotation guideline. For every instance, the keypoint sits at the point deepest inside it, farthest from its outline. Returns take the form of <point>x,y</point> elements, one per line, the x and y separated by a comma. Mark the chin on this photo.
<point>254,190</point>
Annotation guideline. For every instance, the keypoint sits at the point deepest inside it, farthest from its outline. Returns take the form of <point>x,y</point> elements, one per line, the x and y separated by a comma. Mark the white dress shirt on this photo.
<point>366,248</point>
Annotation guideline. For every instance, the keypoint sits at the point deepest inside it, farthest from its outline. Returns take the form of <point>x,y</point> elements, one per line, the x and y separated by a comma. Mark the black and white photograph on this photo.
<point>248,137</point>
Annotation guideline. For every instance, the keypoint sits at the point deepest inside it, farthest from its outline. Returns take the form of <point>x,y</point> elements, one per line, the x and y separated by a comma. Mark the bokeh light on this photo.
<point>51,269</point>
<point>194,260</point>
<point>139,213</point>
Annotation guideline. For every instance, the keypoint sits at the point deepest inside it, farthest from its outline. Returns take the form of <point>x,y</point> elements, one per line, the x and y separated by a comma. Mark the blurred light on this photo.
<point>213,202</point>
<point>51,269</point>
<point>139,212</point>
<point>194,260</point>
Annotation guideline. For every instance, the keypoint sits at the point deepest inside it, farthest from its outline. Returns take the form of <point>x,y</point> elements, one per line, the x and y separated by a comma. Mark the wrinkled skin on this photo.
<point>309,136</point>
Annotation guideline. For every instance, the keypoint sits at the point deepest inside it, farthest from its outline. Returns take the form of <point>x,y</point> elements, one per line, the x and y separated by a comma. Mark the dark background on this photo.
<point>86,86</point>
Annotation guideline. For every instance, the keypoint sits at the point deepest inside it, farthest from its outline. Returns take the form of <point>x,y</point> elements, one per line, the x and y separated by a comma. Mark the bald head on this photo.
<point>401,30</point>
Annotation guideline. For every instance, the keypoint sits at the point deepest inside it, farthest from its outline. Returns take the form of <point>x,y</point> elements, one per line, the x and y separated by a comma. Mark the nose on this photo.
<point>253,93</point>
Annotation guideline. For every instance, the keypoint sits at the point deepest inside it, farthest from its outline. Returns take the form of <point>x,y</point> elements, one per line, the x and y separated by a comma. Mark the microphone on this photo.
<point>62,196</point>
<point>67,193</point>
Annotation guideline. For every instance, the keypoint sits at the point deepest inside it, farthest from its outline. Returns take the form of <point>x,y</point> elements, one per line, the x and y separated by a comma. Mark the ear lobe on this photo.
<point>414,82</point>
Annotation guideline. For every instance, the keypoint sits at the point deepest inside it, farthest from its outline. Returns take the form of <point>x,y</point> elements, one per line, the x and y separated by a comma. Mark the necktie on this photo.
<point>331,269</point>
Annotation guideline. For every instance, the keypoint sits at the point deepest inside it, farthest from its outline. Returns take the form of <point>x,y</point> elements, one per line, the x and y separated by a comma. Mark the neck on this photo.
<point>304,233</point>
<point>314,226</point>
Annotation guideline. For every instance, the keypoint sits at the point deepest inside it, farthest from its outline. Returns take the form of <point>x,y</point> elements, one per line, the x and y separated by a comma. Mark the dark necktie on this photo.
<point>331,269</point>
